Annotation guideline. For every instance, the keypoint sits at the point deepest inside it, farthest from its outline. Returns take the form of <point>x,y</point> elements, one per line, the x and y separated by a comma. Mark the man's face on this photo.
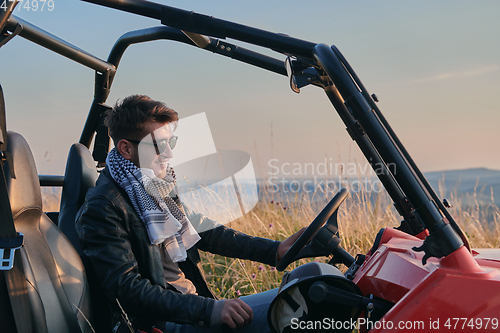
<point>145,154</point>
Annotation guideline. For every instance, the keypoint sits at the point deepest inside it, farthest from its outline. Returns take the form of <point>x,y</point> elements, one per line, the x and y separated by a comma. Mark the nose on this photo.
<point>168,154</point>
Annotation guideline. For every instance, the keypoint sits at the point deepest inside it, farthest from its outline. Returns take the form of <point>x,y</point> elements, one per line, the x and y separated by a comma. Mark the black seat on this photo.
<point>80,175</point>
<point>57,285</point>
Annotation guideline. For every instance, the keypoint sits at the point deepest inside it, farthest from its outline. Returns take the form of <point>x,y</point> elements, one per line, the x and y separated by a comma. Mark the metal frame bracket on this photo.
<point>7,37</point>
<point>10,244</point>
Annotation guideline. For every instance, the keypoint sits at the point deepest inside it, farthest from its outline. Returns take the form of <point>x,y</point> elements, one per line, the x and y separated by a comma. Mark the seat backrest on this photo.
<point>80,175</point>
<point>57,285</point>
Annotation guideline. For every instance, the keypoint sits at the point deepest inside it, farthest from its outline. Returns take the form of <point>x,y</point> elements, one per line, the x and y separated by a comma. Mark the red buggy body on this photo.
<point>426,296</point>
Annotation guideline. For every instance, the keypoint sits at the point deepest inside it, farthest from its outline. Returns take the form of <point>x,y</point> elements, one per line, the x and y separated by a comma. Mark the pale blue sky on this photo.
<point>435,66</point>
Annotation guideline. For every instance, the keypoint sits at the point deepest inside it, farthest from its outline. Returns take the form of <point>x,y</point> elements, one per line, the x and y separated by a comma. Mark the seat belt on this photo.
<point>12,264</point>
<point>10,241</point>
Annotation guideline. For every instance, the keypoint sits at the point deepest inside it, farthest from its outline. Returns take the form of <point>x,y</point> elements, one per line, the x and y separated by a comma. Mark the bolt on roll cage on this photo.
<point>413,197</point>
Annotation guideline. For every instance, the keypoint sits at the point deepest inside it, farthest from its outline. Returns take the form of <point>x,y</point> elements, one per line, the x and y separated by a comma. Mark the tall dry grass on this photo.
<point>360,217</point>
<point>478,218</point>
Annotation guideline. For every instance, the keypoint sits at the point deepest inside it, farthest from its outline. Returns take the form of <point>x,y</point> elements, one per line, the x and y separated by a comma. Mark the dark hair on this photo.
<point>127,118</point>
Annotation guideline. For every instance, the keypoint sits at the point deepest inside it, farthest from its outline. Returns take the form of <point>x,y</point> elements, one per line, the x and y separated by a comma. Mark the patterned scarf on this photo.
<point>164,218</point>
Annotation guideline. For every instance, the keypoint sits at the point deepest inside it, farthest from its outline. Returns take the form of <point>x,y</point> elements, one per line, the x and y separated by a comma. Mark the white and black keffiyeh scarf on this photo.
<point>164,218</point>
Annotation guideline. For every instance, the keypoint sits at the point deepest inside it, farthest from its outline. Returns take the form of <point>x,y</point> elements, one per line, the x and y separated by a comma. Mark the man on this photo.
<point>140,241</point>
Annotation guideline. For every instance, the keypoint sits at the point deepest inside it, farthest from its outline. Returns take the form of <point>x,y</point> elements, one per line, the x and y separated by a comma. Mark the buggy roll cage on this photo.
<point>309,63</point>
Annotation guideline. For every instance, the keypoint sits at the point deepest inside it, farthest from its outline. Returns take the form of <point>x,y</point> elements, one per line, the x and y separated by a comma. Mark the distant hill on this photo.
<point>468,185</point>
<point>467,182</point>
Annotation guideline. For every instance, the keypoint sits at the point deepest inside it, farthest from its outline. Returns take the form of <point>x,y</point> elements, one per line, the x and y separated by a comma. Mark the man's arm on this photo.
<point>224,241</point>
<point>106,243</point>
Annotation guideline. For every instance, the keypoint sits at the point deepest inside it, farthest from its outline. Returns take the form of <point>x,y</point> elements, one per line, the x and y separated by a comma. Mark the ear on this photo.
<point>125,148</point>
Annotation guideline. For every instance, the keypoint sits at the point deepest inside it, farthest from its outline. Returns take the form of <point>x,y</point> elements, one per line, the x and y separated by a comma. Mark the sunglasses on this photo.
<point>160,146</point>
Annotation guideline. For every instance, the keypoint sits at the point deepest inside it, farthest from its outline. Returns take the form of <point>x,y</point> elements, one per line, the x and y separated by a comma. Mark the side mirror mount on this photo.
<point>291,76</point>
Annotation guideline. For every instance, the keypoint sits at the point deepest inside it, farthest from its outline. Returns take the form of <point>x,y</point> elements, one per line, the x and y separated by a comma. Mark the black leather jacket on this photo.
<point>123,265</point>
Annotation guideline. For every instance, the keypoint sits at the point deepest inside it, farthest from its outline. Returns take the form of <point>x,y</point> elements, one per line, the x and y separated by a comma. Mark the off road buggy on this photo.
<point>421,276</point>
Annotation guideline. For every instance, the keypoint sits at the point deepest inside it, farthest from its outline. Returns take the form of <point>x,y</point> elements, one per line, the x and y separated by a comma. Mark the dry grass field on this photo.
<point>360,217</point>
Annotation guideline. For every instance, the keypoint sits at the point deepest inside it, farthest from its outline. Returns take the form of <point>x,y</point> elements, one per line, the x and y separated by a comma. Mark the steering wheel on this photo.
<point>312,229</point>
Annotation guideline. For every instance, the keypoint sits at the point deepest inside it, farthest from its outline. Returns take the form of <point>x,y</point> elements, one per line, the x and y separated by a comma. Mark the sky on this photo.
<point>434,65</point>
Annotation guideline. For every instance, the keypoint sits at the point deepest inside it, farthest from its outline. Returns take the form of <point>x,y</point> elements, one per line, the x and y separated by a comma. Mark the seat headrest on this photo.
<point>24,189</point>
<point>80,175</point>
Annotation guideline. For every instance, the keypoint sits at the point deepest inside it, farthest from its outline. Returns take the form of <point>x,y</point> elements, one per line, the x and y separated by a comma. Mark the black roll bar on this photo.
<point>106,70</point>
<point>5,13</point>
<point>443,240</point>
<point>362,112</point>
<point>402,148</point>
<point>382,170</point>
<point>53,43</point>
<point>214,45</point>
<point>208,25</point>
<point>103,86</point>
